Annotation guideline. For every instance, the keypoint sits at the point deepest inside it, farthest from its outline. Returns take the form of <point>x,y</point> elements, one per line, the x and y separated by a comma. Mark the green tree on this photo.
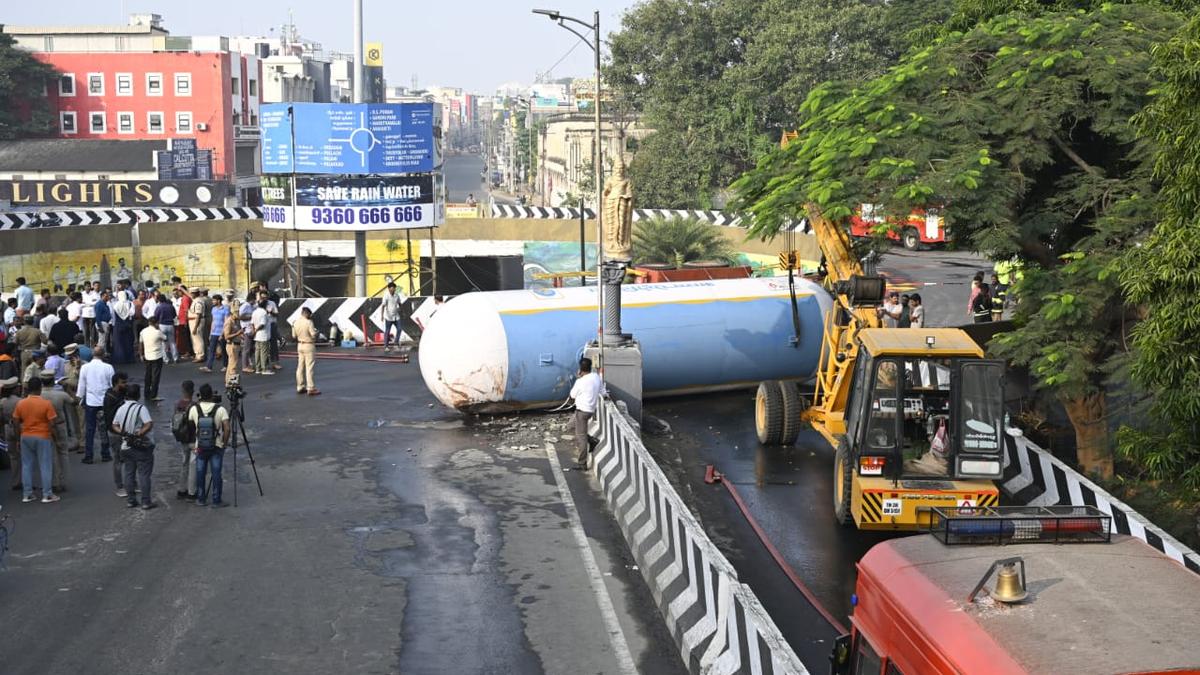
<point>24,109</point>
<point>1019,128</point>
<point>1163,275</point>
<point>676,241</point>
<point>719,80</point>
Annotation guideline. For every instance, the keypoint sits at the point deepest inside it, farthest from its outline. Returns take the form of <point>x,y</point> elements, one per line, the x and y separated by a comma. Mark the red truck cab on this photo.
<point>1095,608</point>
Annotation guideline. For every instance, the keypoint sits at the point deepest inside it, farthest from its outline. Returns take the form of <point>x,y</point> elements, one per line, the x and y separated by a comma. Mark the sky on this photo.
<point>474,44</point>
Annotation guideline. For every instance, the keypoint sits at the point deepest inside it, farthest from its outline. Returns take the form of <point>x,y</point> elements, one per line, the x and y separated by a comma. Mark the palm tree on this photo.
<point>678,240</point>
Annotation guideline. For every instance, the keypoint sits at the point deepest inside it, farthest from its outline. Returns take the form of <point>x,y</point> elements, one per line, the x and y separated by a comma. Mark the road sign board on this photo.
<point>345,138</point>
<point>352,202</point>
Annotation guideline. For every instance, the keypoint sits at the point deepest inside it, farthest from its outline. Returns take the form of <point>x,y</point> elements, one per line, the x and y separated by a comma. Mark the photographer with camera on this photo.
<point>133,422</point>
<point>211,424</point>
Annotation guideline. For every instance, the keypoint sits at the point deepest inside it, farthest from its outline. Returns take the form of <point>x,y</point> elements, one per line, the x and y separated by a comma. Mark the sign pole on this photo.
<point>360,236</point>
<point>433,261</point>
<point>409,271</point>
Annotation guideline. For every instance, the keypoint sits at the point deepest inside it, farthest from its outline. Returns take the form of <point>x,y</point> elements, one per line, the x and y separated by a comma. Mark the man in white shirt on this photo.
<point>91,295</point>
<point>47,323</point>
<point>95,377</point>
<point>262,338</point>
<point>209,444</point>
<point>586,393</point>
<point>75,310</point>
<point>149,306</point>
<point>151,345</point>
<point>244,313</point>
<point>891,310</point>
<point>132,419</point>
<point>390,307</point>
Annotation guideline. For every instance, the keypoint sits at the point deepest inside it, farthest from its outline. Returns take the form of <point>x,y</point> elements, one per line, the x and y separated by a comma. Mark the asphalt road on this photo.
<point>789,491</point>
<point>394,537</point>
<point>464,177</point>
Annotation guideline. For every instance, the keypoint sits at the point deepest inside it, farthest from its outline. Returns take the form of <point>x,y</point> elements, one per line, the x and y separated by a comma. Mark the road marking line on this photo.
<point>595,579</point>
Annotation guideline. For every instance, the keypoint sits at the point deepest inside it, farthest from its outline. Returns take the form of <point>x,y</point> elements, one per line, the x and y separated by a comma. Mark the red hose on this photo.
<point>711,476</point>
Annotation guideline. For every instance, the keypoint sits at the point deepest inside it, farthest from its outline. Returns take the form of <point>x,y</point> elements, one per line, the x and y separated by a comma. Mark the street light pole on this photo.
<point>598,167</point>
<point>360,236</point>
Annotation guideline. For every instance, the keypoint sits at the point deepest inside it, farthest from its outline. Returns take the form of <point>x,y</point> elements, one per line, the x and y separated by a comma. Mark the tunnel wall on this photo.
<point>1034,477</point>
<point>717,622</point>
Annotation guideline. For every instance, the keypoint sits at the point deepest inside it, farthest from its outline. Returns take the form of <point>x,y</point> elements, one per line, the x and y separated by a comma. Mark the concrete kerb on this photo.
<point>717,622</point>
<point>1034,477</point>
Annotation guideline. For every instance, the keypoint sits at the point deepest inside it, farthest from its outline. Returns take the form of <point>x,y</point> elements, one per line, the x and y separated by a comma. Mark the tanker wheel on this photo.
<point>843,474</point>
<point>768,413</point>
<point>793,406</point>
<point>911,239</point>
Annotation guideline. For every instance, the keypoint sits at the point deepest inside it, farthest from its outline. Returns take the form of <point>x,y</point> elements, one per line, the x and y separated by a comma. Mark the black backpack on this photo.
<point>181,426</point>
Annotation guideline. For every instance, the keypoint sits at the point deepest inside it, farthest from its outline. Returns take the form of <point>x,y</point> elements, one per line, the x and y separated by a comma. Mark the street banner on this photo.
<point>350,138</point>
<point>113,193</point>
<point>351,203</point>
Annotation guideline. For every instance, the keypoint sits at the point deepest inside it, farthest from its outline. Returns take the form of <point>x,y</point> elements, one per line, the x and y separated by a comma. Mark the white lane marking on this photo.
<point>607,612</point>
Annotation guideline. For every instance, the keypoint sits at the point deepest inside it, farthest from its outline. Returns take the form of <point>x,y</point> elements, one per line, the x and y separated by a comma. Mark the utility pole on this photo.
<point>360,236</point>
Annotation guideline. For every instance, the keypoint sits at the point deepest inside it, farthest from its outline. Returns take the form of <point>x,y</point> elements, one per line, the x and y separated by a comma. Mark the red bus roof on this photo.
<point>1111,608</point>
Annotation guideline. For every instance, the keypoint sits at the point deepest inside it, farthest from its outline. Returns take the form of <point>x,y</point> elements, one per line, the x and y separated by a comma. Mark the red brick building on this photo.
<point>138,82</point>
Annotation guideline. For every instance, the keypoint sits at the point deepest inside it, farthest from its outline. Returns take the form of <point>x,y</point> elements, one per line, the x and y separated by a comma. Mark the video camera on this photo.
<point>234,392</point>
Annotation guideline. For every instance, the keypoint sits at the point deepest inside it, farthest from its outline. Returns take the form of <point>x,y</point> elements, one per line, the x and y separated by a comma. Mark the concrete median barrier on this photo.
<point>717,622</point>
<point>1034,477</point>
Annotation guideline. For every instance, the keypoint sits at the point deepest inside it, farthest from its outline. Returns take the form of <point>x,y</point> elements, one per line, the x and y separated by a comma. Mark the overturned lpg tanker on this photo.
<point>501,351</point>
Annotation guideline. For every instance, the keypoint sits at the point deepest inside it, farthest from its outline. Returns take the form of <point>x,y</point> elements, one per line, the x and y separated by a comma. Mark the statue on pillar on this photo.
<point>618,216</point>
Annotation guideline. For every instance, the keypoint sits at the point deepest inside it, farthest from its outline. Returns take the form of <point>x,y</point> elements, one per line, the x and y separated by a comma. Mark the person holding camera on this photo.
<point>132,421</point>
<point>211,424</point>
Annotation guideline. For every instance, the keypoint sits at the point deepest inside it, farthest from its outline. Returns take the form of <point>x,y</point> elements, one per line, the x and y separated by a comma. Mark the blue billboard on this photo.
<point>350,138</point>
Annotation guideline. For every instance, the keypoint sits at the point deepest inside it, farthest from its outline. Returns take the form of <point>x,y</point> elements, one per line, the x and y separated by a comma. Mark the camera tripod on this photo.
<point>237,418</point>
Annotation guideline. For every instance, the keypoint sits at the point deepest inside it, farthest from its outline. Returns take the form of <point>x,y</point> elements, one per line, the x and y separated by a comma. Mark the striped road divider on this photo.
<point>717,622</point>
<point>1034,477</point>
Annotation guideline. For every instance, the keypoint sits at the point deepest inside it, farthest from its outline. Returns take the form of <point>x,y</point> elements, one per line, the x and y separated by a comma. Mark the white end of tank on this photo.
<point>464,353</point>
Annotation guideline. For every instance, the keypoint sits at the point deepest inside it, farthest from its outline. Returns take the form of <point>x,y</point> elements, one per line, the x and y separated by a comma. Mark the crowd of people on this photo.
<point>65,386</point>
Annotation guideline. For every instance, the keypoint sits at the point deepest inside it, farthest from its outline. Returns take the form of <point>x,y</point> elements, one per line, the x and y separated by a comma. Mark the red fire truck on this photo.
<point>922,228</point>
<point>1111,605</point>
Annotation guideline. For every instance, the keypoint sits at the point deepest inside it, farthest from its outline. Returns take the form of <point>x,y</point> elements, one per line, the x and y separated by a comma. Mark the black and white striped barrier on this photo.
<point>717,622</point>
<point>349,314</point>
<point>1034,477</point>
<point>722,218</point>
<point>28,220</point>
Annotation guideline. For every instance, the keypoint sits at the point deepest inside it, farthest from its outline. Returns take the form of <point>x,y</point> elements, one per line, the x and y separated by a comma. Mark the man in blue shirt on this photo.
<point>24,295</point>
<point>219,313</point>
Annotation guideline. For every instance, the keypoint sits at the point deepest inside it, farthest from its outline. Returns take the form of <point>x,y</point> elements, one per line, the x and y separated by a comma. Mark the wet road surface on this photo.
<point>789,491</point>
<point>394,536</point>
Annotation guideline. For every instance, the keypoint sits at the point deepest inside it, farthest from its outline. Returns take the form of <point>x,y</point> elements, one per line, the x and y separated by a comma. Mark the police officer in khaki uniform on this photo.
<point>306,352</point>
<point>66,438</point>
<point>8,428</point>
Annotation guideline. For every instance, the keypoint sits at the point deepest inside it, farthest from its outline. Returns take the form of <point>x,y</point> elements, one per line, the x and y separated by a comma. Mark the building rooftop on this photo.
<point>64,154</point>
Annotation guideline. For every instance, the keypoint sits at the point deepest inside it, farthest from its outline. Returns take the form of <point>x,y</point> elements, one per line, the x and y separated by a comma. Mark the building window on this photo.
<point>98,123</point>
<point>154,84</point>
<point>237,118</point>
<point>124,84</point>
<point>254,87</point>
<point>154,122</point>
<point>124,123</point>
<point>183,84</point>
<point>66,122</point>
<point>183,122</point>
<point>253,119</point>
<point>236,86</point>
<point>66,84</point>
<point>95,84</point>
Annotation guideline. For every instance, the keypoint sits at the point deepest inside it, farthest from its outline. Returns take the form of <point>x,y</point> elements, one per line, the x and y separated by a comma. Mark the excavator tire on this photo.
<point>793,405</point>
<point>768,413</point>
<point>843,475</point>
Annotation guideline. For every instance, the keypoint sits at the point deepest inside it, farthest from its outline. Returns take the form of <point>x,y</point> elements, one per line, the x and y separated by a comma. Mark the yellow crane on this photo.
<point>915,416</point>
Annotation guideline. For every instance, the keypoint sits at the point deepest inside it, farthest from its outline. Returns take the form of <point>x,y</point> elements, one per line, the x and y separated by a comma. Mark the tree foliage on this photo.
<point>1163,275</point>
<point>719,80</point>
<point>1019,128</point>
<point>676,241</point>
<point>24,109</point>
